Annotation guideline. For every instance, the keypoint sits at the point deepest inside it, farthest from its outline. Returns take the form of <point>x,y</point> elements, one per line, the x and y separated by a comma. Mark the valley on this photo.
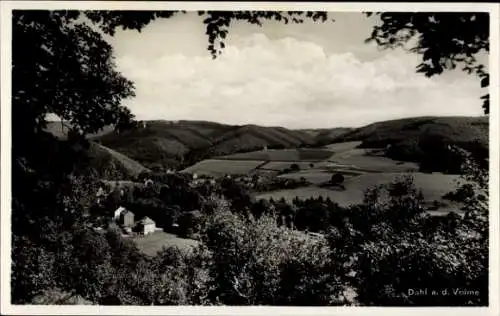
<point>276,164</point>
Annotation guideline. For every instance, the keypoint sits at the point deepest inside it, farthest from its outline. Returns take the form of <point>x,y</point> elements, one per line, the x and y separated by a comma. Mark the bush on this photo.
<point>263,264</point>
<point>337,179</point>
<point>394,247</point>
<point>294,167</point>
<point>190,223</point>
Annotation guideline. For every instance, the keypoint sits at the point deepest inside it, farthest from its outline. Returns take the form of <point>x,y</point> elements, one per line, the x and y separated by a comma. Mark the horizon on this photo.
<point>54,120</point>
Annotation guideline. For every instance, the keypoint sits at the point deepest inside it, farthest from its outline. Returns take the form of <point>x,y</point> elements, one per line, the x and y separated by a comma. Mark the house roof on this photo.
<point>127,212</point>
<point>146,220</point>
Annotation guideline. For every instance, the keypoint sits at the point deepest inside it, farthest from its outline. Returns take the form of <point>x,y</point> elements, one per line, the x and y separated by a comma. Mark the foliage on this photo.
<point>190,223</point>
<point>394,247</point>
<point>294,167</point>
<point>54,55</point>
<point>62,65</point>
<point>444,39</point>
<point>217,22</point>
<point>425,140</point>
<point>243,273</point>
<point>337,178</point>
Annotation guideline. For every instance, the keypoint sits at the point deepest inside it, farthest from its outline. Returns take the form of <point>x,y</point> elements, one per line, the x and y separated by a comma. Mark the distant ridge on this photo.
<point>161,144</point>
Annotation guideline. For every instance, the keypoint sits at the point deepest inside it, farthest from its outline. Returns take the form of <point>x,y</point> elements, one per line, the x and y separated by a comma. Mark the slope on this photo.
<point>426,140</point>
<point>112,165</point>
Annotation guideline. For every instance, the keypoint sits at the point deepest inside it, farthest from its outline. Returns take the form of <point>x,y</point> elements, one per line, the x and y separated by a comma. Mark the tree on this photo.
<point>337,179</point>
<point>62,66</point>
<point>294,167</point>
<point>445,40</point>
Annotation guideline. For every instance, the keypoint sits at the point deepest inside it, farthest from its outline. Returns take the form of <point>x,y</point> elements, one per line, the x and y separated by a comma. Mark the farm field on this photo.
<point>283,155</point>
<point>359,159</point>
<point>347,160</point>
<point>282,165</point>
<point>219,167</point>
<point>360,169</point>
<point>433,186</point>
<point>345,146</point>
<point>154,242</point>
<point>315,176</point>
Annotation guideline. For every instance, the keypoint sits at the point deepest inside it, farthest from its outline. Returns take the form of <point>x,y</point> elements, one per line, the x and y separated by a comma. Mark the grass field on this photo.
<point>154,242</point>
<point>358,158</point>
<point>216,167</point>
<point>345,146</point>
<point>433,186</point>
<point>314,176</point>
<point>282,165</point>
<point>283,155</point>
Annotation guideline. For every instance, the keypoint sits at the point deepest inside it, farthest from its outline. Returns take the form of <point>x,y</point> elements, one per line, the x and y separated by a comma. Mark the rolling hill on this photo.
<point>164,144</point>
<point>452,129</point>
<point>326,136</point>
<point>112,165</point>
<point>425,140</point>
<point>171,144</point>
<point>60,130</point>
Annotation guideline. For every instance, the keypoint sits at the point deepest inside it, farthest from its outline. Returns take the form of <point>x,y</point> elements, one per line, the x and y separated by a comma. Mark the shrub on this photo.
<point>294,167</point>
<point>190,223</point>
<point>263,264</point>
<point>394,247</point>
<point>337,179</point>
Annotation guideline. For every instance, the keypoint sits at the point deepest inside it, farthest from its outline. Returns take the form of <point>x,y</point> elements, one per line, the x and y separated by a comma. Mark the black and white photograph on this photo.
<point>219,155</point>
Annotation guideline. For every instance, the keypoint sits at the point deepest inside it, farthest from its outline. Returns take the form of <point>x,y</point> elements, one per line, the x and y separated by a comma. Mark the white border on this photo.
<point>5,27</point>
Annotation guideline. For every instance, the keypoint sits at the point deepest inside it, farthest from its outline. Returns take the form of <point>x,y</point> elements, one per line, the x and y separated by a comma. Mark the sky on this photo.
<point>311,75</point>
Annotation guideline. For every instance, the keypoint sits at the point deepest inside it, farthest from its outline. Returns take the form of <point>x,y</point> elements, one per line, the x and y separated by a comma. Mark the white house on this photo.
<point>146,226</point>
<point>119,212</point>
<point>148,183</point>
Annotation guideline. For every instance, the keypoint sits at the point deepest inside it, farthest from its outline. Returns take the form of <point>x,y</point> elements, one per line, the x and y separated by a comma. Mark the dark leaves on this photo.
<point>444,39</point>
<point>485,82</point>
<point>65,68</point>
<point>486,103</point>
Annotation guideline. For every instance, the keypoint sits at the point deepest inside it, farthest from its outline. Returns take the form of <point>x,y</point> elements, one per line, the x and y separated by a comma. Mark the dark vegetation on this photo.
<point>248,254</point>
<point>178,145</point>
<point>426,140</point>
<point>238,234</point>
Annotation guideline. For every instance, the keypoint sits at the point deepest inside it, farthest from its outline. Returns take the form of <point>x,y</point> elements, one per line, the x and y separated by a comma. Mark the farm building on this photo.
<point>118,212</point>
<point>127,219</point>
<point>146,226</point>
<point>101,195</point>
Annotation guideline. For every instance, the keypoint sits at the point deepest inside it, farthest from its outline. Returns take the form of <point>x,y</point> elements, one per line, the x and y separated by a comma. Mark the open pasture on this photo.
<point>315,176</point>
<point>154,242</point>
<point>342,147</point>
<point>283,155</point>
<point>282,165</point>
<point>360,159</point>
<point>217,167</point>
<point>433,187</point>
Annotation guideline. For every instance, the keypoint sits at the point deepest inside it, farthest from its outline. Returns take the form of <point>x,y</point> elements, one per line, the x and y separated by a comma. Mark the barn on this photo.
<point>118,212</point>
<point>146,226</point>
<point>127,218</point>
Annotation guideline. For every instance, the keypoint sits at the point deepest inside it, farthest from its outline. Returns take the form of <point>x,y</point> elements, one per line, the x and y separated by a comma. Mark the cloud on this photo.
<point>293,83</point>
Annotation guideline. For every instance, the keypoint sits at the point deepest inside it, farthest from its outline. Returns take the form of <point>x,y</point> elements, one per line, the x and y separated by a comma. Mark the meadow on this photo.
<point>219,167</point>
<point>151,244</point>
<point>433,187</point>
<point>283,155</point>
<point>362,168</point>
